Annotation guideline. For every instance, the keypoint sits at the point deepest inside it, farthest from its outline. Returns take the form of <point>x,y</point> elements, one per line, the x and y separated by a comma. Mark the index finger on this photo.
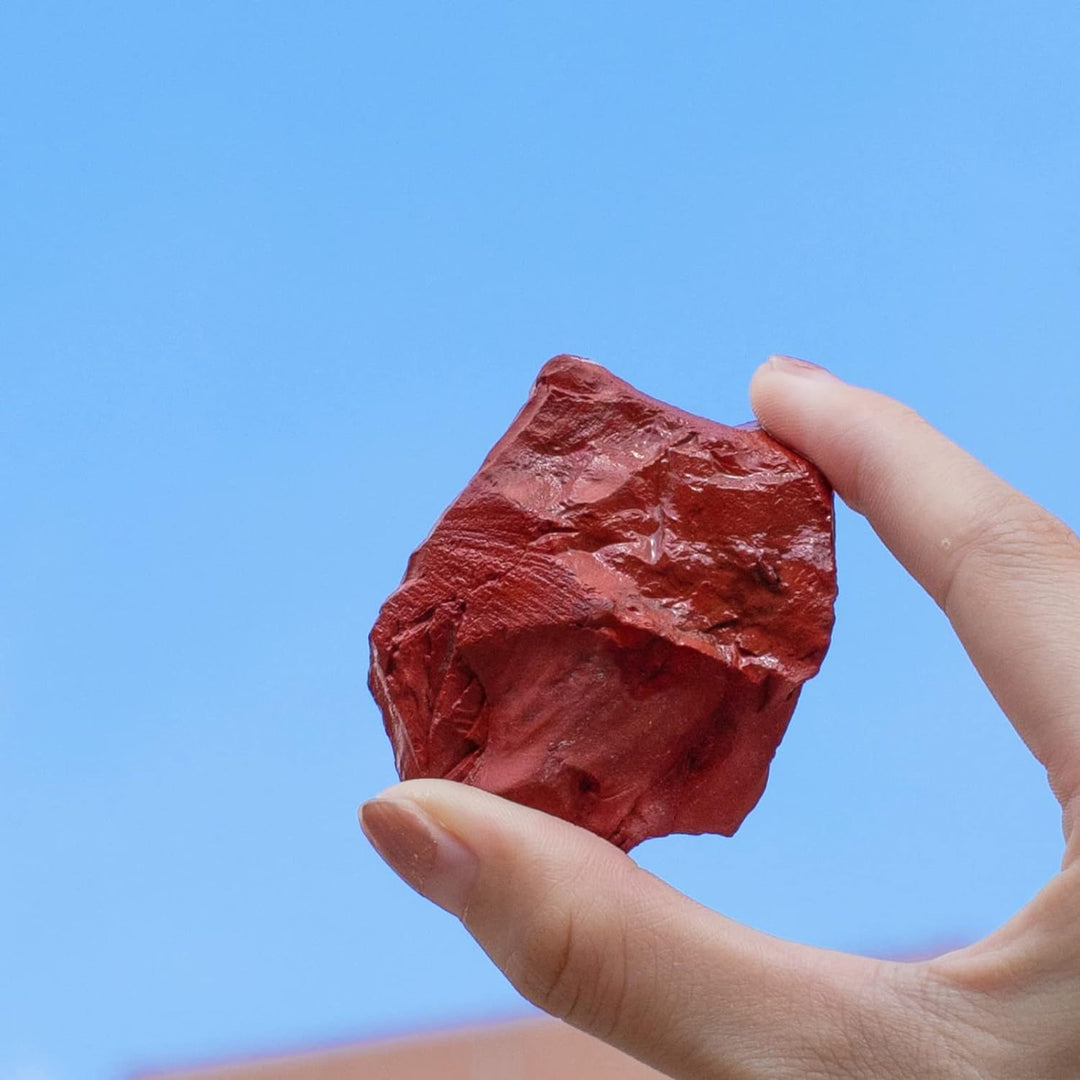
<point>1005,571</point>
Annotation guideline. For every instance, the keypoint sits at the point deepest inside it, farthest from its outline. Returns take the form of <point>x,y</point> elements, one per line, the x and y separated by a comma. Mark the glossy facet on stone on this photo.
<point>612,622</point>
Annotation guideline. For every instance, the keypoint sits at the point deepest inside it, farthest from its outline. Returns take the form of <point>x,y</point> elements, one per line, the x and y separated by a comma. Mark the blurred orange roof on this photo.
<point>522,1050</point>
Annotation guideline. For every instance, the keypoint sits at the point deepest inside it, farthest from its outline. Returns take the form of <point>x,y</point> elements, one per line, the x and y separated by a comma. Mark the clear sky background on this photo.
<point>275,276</point>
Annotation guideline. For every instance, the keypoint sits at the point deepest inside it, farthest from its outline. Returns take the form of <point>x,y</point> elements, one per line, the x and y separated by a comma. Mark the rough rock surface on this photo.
<point>613,620</point>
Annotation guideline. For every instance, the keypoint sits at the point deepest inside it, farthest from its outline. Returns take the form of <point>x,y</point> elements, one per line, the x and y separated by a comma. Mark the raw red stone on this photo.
<point>612,622</point>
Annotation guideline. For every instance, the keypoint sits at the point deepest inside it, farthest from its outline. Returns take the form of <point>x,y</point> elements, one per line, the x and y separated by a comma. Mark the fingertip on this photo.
<point>770,391</point>
<point>498,826</point>
<point>410,789</point>
<point>451,796</point>
<point>436,862</point>
<point>794,365</point>
<point>426,795</point>
<point>782,391</point>
<point>761,383</point>
<point>791,370</point>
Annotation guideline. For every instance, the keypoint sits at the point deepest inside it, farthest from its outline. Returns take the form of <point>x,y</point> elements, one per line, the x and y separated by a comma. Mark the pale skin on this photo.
<point>587,935</point>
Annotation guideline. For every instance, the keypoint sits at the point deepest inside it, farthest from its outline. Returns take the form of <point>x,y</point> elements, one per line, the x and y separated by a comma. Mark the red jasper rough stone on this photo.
<point>612,622</point>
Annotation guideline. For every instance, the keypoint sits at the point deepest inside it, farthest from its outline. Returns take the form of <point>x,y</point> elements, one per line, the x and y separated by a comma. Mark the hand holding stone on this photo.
<point>585,934</point>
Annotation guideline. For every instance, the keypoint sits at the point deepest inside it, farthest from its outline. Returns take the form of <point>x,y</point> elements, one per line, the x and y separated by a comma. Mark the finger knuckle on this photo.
<point>1012,538</point>
<point>998,1021</point>
<point>564,969</point>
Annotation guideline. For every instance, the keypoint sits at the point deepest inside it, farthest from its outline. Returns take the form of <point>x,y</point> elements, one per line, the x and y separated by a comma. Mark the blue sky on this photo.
<point>273,277</point>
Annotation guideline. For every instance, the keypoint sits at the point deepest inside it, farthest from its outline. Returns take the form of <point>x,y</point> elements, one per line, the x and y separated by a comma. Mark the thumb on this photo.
<point>588,936</point>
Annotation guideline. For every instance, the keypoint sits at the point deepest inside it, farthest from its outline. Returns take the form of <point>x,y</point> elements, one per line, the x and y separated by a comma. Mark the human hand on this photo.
<point>587,935</point>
